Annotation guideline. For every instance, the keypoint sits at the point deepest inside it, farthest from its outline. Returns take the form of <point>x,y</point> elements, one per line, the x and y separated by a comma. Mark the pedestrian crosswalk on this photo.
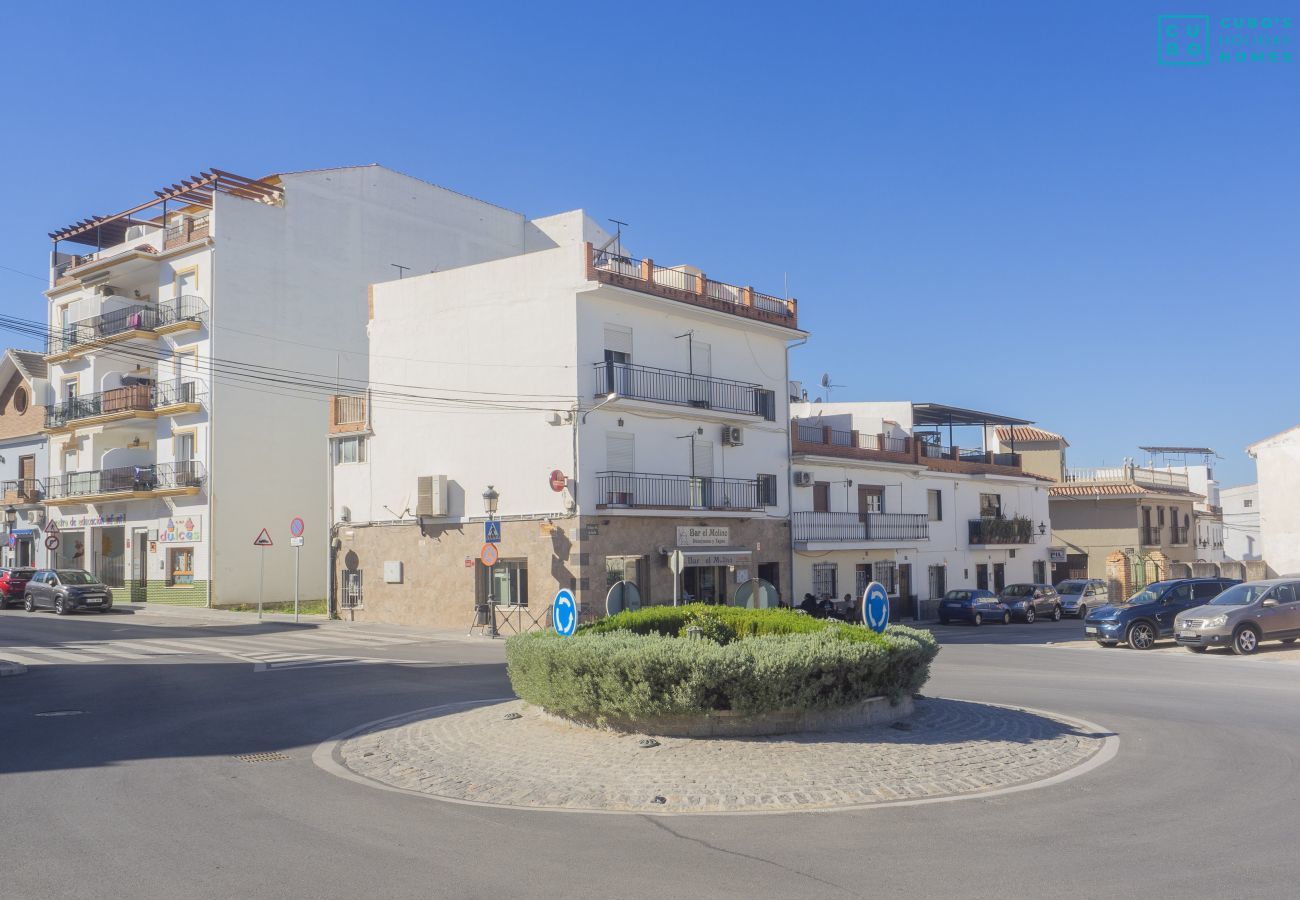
<point>266,650</point>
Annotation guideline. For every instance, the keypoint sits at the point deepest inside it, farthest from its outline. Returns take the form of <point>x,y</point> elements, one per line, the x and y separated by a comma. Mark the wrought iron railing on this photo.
<point>126,479</point>
<point>684,389</point>
<point>135,397</point>
<point>643,490</point>
<point>1178,534</point>
<point>997,530</point>
<point>186,308</point>
<point>21,490</point>
<point>632,267</point>
<point>846,526</point>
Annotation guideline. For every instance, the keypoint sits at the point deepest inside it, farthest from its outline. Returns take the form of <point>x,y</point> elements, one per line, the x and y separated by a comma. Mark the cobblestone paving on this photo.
<point>948,748</point>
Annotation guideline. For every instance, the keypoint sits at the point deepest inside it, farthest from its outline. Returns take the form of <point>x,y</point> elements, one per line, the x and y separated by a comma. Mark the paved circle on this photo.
<point>502,753</point>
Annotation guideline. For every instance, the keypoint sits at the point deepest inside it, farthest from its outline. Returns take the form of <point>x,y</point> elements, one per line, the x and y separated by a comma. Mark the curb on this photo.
<point>11,668</point>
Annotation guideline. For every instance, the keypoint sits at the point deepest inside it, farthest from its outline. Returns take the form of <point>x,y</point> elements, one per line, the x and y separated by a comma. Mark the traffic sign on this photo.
<point>13,539</point>
<point>51,528</point>
<point>564,613</point>
<point>296,528</point>
<point>676,562</point>
<point>491,532</point>
<point>558,480</point>
<point>489,555</point>
<point>52,542</point>
<point>875,607</point>
<point>263,539</point>
<point>295,542</point>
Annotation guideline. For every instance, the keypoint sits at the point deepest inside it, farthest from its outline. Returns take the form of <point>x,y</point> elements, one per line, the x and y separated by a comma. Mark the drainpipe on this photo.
<point>212,383</point>
<point>789,472</point>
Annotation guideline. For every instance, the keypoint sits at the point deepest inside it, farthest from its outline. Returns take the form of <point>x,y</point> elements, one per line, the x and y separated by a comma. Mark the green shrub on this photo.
<point>644,670</point>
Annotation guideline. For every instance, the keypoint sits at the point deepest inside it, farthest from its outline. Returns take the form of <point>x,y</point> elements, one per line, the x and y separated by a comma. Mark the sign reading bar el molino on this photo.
<point>703,536</point>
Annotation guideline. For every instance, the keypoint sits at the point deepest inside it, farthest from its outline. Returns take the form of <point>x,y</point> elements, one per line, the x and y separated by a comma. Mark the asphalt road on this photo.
<point>139,792</point>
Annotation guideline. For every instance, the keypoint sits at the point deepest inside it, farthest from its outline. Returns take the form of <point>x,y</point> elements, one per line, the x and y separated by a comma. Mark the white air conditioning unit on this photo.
<point>733,435</point>
<point>135,232</point>
<point>802,479</point>
<point>431,495</point>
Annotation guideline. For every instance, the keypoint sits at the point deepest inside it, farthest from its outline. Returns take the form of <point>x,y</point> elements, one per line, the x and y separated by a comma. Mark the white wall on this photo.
<point>1241,534</point>
<point>1277,466</point>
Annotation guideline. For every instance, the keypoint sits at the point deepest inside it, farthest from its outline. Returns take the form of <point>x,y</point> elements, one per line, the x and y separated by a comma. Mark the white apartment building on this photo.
<point>195,340</point>
<point>619,409</point>
<point>1277,467</point>
<point>1241,535</point>
<point>883,493</point>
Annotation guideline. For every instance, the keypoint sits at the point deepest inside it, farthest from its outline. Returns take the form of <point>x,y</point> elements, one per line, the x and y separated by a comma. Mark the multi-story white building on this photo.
<point>1207,516</point>
<point>22,458</point>
<point>619,409</point>
<point>1277,466</point>
<point>1241,535</point>
<point>881,493</point>
<point>195,339</point>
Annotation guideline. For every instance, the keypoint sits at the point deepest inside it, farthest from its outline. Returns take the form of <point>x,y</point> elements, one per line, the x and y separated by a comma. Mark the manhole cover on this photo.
<point>261,757</point>
<point>55,713</point>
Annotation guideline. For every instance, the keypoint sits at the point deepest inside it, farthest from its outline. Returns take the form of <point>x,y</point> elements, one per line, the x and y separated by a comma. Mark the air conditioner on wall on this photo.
<point>733,435</point>
<point>431,495</point>
<point>803,479</point>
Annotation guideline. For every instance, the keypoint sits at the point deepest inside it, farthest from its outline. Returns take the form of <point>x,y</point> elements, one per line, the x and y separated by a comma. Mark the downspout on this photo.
<point>212,384</point>
<point>789,471</point>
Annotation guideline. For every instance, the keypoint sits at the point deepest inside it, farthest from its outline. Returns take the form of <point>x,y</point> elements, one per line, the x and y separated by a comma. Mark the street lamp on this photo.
<point>490,500</point>
<point>609,398</point>
<point>11,517</point>
<point>1042,528</point>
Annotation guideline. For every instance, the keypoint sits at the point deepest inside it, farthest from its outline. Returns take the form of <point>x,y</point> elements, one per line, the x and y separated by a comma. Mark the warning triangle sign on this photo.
<point>51,528</point>
<point>263,539</point>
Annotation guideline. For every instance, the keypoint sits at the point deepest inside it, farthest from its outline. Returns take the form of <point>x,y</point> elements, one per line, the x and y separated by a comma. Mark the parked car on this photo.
<point>974,606</point>
<point>13,582</point>
<point>1078,595</point>
<point>67,590</point>
<point>1242,616</point>
<point>1149,614</point>
<point>1029,601</point>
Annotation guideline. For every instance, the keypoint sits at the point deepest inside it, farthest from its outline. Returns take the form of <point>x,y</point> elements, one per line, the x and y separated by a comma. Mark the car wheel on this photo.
<point>1083,611</point>
<point>1141,636</point>
<point>978,620</point>
<point>59,608</point>
<point>29,604</point>
<point>1006,618</point>
<point>1056,613</point>
<point>1030,615</point>
<point>1245,641</point>
<point>1198,649</point>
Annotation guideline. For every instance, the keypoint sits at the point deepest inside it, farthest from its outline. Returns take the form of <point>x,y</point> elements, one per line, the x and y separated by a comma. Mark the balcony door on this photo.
<point>821,496</point>
<point>701,364</point>
<point>870,500</point>
<point>618,356</point>
<point>702,474</point>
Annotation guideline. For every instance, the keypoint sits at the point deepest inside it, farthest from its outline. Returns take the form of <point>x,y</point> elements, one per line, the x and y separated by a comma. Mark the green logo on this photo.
<point>1187,40</point>
<point>1183,40</point>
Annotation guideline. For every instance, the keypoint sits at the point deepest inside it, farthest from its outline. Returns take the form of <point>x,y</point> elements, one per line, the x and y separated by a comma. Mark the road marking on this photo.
<point>11,654</point>
<point>57,654</point>
<point>108,649</point>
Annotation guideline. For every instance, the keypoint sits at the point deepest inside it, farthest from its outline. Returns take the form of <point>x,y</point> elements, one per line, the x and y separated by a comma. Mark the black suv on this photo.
<point>1149,614</point>
<point>67,590</point>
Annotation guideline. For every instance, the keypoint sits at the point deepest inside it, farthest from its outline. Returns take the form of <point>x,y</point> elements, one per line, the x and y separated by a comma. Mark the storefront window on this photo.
<point>824,586</point>
<point>627,568</point>
<point>506,583</point>
<point>180,565</point>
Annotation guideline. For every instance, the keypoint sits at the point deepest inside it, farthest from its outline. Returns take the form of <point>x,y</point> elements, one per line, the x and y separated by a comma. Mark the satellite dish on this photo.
<point>826,379</point>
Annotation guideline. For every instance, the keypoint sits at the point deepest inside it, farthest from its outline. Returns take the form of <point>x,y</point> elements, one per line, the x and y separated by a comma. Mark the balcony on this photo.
<point>685,389</point>
<point>1178,534</point>
<point>634,490</point>
<point>143,321</point>
<point>126,482</point>
<point>1128,474</point>
<point>21,490</point>
<point>810,437</point>
<point>131,402</point>
<point>1000,532</point>
<point>1149,535</point>
<point>686,286</point>
<point>347,414</point>
<point>854,528</point>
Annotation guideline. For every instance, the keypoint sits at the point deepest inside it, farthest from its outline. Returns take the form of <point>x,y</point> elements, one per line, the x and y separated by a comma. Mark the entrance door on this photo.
<point>140,566</point>
<point>904,585</point>
<point>110,555</point>
<point>771,573</point>
<point>999,577</point>
<point>982,576</point>
<point>704,584</point>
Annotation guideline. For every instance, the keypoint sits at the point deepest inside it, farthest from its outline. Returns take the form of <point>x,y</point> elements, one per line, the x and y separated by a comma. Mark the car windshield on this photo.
<point>1240,595</point>
<point>77,576</point>
<point>1071,587</point>
<point>1018,590</point>
<point>957,595</point>
<point>21,573</point>
<point>1151,593</point>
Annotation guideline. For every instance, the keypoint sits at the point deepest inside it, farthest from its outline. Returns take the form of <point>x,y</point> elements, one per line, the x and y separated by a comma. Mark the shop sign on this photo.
<point>1056,554</point>
<point>703,536</point>
<point>83,521</point>
<point>180,529</point>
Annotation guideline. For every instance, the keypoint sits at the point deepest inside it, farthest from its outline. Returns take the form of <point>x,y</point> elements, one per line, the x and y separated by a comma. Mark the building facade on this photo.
<point>877,497</point>
<point>22,458</point>
<point>1241,535</point>
<point>1207,516</point>
<point>621,411</point>
<point>1277,467</point>
<point>195,341</point>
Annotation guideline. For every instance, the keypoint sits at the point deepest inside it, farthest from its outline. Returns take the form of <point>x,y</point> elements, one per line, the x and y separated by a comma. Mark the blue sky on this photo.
<point>1008,206</point>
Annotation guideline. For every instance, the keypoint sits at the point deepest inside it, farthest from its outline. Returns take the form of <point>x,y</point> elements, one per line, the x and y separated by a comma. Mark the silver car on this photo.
<point>1078,595</point>
<point>1242,616</point>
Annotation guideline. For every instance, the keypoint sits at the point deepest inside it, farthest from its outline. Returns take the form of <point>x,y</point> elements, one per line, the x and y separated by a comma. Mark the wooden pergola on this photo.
<point>199,190</point>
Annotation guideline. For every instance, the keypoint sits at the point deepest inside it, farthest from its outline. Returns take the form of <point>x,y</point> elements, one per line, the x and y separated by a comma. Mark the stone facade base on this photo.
<point>726,723</point>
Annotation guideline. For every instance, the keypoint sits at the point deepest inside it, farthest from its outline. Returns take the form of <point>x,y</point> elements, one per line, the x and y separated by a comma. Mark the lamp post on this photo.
<point>490,500</point>
<point>11,520</point>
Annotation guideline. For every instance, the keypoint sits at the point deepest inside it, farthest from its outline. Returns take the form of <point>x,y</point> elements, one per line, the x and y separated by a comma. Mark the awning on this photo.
<point>717,556</point>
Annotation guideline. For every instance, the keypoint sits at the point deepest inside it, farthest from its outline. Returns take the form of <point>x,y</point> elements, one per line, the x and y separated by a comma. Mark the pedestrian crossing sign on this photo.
<point>263,539</point>
<point>491,532</point>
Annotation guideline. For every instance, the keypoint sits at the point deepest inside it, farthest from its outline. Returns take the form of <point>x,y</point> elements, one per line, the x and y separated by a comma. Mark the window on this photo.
<point>990,506</point>
<point>887,574</point>
<point>938,578</point>
<point>351,598</point>
<point>870,499</point>
<point>180,566</point>
<point>1180,594</point>
<point>1206,590</point>
<point>20,401</point>
<point>626,568</point>
<point>183,446</point>
<point>824,577</point>
<point>1247,504</point>
<point>821,496</point>
<point>767,490</point>
<point>1287,593</point>
<point>1160,515</point>
<point>350,450</point>
<point>765,404</point>
<point>506,583</point>
<point>1040,572</point>
<point>934,505</point>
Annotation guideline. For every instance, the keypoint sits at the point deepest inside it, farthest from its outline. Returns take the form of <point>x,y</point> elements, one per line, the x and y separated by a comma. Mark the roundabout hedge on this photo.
<point>643,664</point>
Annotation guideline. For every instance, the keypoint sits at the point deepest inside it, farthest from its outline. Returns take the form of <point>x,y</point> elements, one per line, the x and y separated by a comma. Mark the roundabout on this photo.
<point>503,753</point>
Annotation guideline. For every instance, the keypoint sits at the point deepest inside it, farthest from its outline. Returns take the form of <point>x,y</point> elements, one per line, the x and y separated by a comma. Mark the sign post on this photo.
<point>296,529</point>
<point>875,607</point>
<point>263,540</point>
<point>564,613</point>
<point>676,562</point>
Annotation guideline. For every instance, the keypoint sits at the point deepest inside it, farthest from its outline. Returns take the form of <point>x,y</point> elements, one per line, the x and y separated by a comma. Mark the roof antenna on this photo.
<point>826,383</point>
<point>618,236</point>
<point>401,273</point>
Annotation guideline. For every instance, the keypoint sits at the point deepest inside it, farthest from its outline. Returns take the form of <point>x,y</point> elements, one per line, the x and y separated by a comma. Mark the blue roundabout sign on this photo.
<point>564,613</point>
<point>875,607</point>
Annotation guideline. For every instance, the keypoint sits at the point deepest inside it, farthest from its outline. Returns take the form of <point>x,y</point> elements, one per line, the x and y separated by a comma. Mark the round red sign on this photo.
<point>558,481</point>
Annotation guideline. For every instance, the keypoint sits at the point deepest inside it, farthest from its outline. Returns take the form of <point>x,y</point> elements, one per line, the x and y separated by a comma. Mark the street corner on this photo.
<point>508,754</point>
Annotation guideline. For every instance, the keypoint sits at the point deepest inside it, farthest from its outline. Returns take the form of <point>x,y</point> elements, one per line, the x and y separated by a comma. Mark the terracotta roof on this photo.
<point>1116,490</point>
<point>1027,433</point>
<point>30,363</point>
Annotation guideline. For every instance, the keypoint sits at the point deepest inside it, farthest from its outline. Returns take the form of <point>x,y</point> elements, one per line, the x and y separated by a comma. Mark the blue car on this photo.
<point>974,606</point>
<point>1149,614</point>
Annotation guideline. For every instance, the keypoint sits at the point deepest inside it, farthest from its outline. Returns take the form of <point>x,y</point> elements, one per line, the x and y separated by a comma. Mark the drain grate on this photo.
<point>261,757</point>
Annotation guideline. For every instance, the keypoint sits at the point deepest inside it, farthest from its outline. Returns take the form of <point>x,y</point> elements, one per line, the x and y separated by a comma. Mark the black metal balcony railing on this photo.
<point>936,451</point>
<point>635,489</point>
<point>847,526</point>
<point>136,397</point>
<point>21,490</point>
<point>1150,535</point>
<point>186,308</point>
<point>992,530</point>
<point>126,479</point>
<point>1178,534</point>
<point>685,389</point>
<point>812,433</point>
